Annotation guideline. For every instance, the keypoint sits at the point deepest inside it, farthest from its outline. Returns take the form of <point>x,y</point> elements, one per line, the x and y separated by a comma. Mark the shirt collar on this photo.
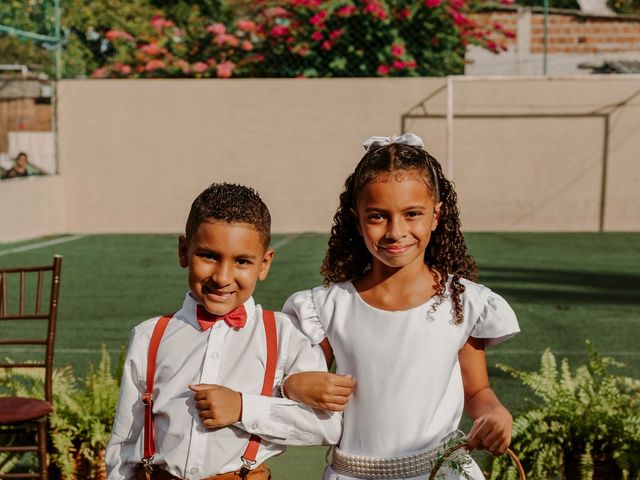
<point>190,303</point>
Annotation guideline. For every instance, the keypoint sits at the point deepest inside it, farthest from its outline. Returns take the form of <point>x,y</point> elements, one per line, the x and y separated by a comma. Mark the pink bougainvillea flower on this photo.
<point>118,35</point>
<point>507,2</point>
<point>382,70</point>
<point>318,18</point>
<point>404,13</point>
<point>225,69</point>
<point>154,64</point>
<point>375,8</point>
<point>216,28</point>
<point>411,64</point>
<point>152,49</point>
<point>279,31</point>
<point>247,25</point>
<point>457,3</point>
<point>199,67</point>
<point>122,68</point>
<point>335,34</point>
<point>398,64</point>
<point>157,22</point>
<point>184,66</point>
<point>509,33</point>
<point>460,18</point>
<point>432,3</point>
<point>99,72</point>
<point>247,46</point>
<point>397,50</point>
<point>317,36</point>
<point>276,12</point>
<point>326,45</point>
<point>346,10</point>
<point>303,49</point>
<point>227,38</point>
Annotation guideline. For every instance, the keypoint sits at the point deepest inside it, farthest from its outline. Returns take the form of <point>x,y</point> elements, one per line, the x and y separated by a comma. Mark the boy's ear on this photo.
<point>183,247</point>
<point>355,217</point>
<point>436,216</point>
<point>266,264</point>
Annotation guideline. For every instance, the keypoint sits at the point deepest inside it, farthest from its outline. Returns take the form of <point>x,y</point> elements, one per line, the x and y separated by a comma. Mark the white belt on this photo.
<point>405,466</point>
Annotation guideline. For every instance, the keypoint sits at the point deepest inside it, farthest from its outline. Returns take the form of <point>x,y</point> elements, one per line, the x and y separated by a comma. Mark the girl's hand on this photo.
<point>491,431</point>
<point>328,391</point>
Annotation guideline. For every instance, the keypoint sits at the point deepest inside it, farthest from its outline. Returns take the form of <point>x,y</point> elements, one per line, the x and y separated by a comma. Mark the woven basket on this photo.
<point>453,449</point>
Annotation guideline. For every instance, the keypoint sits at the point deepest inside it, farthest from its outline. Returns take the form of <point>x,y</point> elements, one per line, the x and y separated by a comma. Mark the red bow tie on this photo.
<point>235,318</point>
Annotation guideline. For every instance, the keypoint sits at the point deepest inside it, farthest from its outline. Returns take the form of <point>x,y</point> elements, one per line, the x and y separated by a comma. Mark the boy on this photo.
<point>210,363</point>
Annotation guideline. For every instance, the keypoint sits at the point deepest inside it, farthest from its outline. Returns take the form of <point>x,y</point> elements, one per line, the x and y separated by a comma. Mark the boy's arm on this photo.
<point>129,419</point>
<point>278,420</point>
<point>492,421</point>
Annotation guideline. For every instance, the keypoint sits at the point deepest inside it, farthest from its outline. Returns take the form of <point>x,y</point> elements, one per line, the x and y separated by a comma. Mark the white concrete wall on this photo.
<point>134,153</point>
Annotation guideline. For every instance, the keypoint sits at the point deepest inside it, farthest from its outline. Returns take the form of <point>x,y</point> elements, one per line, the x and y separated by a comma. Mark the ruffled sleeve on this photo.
<point>497,321</point>
<point>302,310</point>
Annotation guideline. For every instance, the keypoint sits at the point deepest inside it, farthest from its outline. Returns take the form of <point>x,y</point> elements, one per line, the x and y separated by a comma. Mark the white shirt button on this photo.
<point>254,426</point>
<point>194,470</point>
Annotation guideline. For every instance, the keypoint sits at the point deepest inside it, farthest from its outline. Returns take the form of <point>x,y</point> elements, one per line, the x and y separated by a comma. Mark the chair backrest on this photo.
<point>23,296</point>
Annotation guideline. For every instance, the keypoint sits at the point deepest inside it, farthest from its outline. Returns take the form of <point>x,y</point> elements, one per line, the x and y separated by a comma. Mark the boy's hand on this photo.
<point>491,431</point>
<point>320,389</point>
<point>219,406</point>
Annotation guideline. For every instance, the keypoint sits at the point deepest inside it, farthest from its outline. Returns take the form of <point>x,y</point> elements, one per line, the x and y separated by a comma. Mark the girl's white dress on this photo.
<point>408,393</point>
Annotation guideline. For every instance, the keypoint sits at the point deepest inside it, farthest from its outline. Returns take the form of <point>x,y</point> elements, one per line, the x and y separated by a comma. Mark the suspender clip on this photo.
<point>246,467</point>
<point>147,464</point>
<point>147,399</point>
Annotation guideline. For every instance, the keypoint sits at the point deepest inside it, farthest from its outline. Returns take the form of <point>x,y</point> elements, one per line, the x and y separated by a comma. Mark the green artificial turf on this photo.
<point>565,288</point>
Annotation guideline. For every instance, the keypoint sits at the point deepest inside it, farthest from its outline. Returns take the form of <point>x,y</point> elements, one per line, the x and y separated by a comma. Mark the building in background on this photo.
<point>578,42</point>
<point>26,120</point>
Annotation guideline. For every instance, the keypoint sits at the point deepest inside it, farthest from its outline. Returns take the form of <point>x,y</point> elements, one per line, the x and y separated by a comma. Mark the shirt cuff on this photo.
<point>256,413</point>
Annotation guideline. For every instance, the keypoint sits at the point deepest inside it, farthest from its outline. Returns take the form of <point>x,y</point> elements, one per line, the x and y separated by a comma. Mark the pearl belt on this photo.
<point>405,466</point>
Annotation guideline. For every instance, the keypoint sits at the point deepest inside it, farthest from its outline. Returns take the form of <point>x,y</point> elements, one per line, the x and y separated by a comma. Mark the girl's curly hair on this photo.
<point>347,257</point>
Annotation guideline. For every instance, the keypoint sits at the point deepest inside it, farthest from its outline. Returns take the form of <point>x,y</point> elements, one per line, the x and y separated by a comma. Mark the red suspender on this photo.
<point>269,320</point>
<point>249,457</point>
<point>147,398</point>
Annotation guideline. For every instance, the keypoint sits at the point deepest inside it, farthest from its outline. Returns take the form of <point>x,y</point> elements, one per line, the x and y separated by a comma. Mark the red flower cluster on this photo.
<point>302,38</point>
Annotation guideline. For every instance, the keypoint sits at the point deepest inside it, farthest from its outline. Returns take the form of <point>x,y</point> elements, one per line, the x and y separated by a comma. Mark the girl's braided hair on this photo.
<point>347,257</point>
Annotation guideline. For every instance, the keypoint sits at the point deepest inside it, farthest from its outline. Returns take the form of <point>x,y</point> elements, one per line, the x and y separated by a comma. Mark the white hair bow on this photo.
<point>407,139</point>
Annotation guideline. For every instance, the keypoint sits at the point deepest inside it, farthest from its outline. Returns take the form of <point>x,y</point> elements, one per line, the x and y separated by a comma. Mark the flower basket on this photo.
<point>451,450</point>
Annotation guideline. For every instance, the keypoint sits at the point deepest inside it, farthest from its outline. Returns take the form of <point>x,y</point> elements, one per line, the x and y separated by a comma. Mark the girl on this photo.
<point>402,317</point>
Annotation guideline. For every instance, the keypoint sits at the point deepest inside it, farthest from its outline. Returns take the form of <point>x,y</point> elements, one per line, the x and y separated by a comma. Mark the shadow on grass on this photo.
<point>563,286</point>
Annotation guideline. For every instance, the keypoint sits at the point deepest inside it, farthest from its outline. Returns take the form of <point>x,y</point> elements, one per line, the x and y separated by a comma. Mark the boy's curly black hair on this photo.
<point>231,203</point>
<point>347,257</point>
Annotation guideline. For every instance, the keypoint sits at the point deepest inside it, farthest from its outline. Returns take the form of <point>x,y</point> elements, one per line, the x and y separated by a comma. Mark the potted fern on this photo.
<point>81,421</point>
<point>588,426</point>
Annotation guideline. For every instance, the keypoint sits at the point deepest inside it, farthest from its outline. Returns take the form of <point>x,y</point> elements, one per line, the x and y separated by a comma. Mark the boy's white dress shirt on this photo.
<point>220,355</point>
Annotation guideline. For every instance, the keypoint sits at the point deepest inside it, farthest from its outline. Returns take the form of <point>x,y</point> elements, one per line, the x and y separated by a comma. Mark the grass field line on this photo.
<point>35,246</point>
<point>610,353</point>
<point>283,241</point>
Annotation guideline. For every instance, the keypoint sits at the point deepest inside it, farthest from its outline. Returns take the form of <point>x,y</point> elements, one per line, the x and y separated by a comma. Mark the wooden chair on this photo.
<point>18,414</point>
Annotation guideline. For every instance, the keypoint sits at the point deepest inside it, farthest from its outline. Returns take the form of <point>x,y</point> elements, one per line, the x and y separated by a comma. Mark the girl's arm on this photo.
<point>320,389</point>
<point>492,421</point>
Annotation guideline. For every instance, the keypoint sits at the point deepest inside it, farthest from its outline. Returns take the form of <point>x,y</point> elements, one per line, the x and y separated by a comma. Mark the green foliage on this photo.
<point>83,414</point>
<point>630,7</point>
<point>589,418</point>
